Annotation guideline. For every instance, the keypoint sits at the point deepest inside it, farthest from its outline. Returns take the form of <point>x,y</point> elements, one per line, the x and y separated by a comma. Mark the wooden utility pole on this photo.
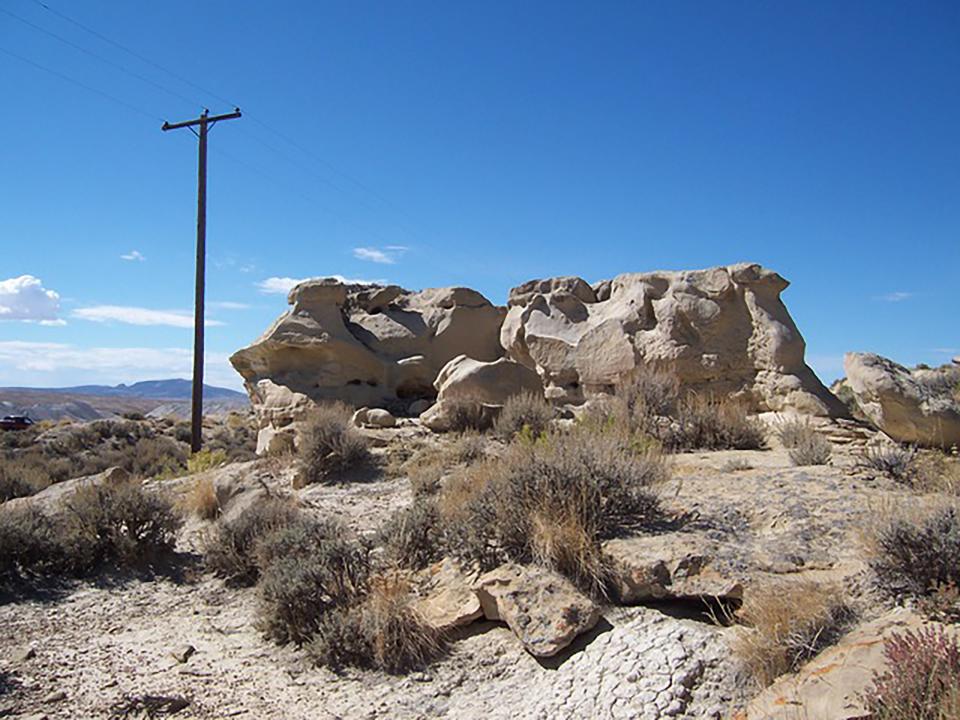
<point>205,122</point>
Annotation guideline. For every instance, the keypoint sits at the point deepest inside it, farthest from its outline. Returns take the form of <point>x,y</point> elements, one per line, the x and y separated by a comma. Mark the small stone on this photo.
<point>55,696</point>
<point>22,655</point>
<point>182,653</point>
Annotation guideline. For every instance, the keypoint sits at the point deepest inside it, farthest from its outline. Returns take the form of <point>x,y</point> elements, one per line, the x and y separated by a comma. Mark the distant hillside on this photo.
<point>91,402</point>
<point>175,389</point>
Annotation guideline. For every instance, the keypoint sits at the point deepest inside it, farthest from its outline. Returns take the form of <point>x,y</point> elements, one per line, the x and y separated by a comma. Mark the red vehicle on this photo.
<point>15,422</point>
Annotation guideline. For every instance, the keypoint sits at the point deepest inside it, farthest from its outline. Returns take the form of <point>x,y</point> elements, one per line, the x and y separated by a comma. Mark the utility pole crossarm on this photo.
<point>190,123</point>
<point>205,122</point>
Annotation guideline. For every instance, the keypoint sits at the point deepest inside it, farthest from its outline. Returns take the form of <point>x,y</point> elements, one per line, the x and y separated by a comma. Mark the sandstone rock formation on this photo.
<point>722,330</point>
<point>489,384</point>
<point>918,406</point>
<point>364,345</point>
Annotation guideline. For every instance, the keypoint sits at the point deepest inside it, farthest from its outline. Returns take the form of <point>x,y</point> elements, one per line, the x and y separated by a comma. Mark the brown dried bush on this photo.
<point>200,499</point>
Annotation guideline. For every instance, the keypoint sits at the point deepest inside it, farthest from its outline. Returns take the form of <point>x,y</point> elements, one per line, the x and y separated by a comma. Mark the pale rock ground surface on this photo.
<point>723,330</point>
<point>918,406</point>
<point>100,641</point>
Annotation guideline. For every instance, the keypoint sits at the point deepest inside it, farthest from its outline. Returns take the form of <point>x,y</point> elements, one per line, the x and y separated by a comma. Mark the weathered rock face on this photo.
<point>913,406</point>
<point>364,345</point>
<point>722,330</point>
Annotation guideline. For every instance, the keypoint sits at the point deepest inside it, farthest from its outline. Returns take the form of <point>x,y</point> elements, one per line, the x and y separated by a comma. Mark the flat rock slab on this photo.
<point>542,608</point>
<point>669,566</point>
<point>447,600</point>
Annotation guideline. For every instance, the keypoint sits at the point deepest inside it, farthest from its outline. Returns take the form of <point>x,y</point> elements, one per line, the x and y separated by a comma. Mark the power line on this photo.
<point>134,53</point>
<point>293,143</point>
<point>83,85</point>
<point>102,59</point>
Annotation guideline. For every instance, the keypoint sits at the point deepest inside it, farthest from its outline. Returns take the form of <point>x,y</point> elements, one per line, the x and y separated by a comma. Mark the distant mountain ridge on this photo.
<point>172,389</point>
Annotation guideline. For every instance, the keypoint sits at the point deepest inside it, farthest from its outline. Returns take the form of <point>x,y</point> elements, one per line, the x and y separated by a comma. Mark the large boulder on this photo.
<point>486,384</point>
<point>722,331</point>
<point>365,345</point>
<point>913,406</point>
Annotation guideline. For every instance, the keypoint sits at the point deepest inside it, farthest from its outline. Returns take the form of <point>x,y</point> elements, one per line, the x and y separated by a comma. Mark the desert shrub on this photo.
<point>811,449</point>
<point>787,624</point>
<point>914,555</point>
<point>119,522</point>
<point>307,568</point>
<point>200,499</point>
<point>30,545</point>
<point>548,501</point>
<point>384,632</point>
<point>330,444</point>
<point>205,460</point>
<point>425,476</point>
<point>702,423</point>
<point>413,536</point>
<point>466,414</point>
<point>894,461</point>
<point>527,410</point>
<point>923,682</point>
<point>235,437</point>
<point>231,550</point>
<point>21,478</point>
<point>650,394</point>
<point>793,431</point>
<point>468,447</point>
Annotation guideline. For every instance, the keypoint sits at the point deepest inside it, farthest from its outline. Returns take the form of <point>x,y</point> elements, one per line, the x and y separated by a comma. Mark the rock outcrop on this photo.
<point>917,406</point>
<point>366,345</point>
<point>723,331</point>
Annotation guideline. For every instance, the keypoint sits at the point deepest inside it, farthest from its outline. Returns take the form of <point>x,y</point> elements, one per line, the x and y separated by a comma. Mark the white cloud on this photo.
<point>57,364</point>
<point>24,298</point>
<point>387,255</point>
<point>230,305</point>
<point>283,285</point>
<point>133,255</point>
<point>138,316</point>
<point>898,296</point>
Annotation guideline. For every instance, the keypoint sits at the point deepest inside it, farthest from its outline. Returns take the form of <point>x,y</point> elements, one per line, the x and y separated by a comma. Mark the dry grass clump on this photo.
<point>413,537</point>
<point>468,447</point>
<point>787,624</point>
<point>200,499</point>
<point>307,568</point>
<point>230,550</point>
<point>553,501</point>
<point>915,553</point>
<point>330,445</point>
<point>119,524</point>
<point>926,471</point>
<point>384,632</point>
<point>923,682</point>
<point>527,412</point>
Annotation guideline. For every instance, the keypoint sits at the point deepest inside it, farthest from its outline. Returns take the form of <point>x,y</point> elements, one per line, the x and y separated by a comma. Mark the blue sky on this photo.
<point>481,144</point>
